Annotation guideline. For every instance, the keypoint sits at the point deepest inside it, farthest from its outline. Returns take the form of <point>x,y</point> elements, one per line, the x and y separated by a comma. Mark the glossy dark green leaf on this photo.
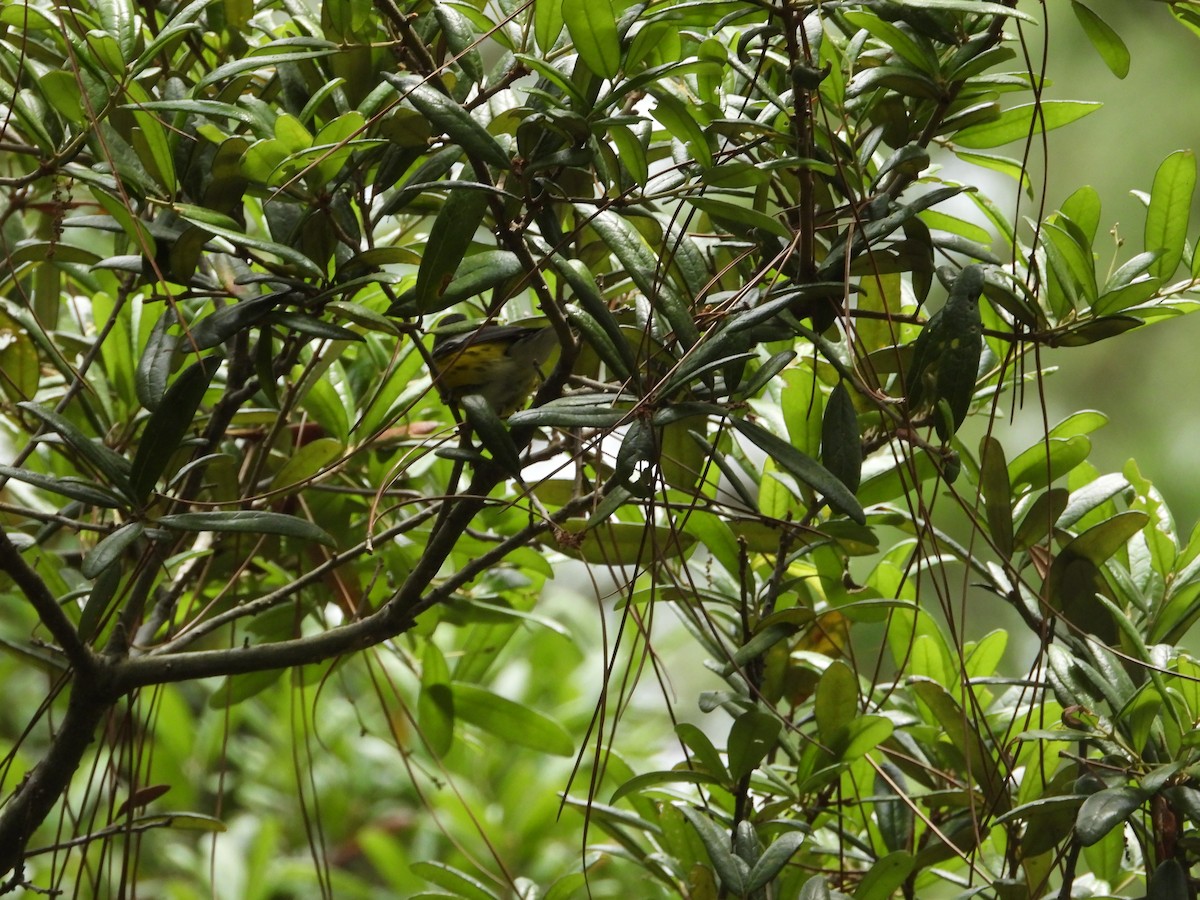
<point>477,273</point>
<point>492,432</point>
<point>513,722</point>
<point>804,467</point>
<point>578,410</point>
<point>973,7</point>
<point>815,889</point>
<point>313,327</point>
<point>111,465</point>
<point>1169,211</point>
<point>1105,810</point>
<point>1101,541</point>
<point>642,266</point>
<point>732,870</point>
<point>682,125</point>
<point>946,355</point>
<point>453,121</point>
<point>169,423</point>
<point>997,493</point>
<point>223,226</point>
<point>109,550</point>
<point>702,750</point>
<point>841,440</point>
<point>293,50</point>
<point>892,809</point>
<point>451,235</point>
<point>74,488</point>
<point>103,592</point>
<point>154,367</point>
<point>1169,882</point>
<point>461,40</point>
<point>1104,38</point>
<point>773,859</point>
<point>242,521</point>
<point>671,776</point>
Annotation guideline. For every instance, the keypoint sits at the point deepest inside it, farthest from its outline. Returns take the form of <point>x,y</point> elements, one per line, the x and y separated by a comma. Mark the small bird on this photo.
<point>946,356</point>
<point>504,364</point>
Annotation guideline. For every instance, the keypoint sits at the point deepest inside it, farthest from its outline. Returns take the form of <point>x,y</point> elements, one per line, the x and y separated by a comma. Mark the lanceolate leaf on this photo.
<point>248,522</point>
<point>841,442</point>
<point>169,423</point>
<point>1019,122</point>
<point>451,235</point>
<point>1106,41</point>
<point>803,467</point>
<point>454,121</point>
<point>1170,208</point>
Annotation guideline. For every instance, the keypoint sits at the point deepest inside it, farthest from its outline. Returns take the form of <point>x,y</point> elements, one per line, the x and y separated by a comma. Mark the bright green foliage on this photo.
<point>279,622</point>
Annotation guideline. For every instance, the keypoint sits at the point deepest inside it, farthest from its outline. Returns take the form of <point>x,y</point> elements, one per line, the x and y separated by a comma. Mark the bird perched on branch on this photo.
<point>504,364</point>
<point>946,356</point>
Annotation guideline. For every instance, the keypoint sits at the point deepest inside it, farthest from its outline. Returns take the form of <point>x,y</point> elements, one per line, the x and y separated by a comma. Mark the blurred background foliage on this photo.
<point>1144,383</point>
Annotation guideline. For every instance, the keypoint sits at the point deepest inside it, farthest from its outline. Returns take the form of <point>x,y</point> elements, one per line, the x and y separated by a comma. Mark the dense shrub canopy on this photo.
<point>255,561</point>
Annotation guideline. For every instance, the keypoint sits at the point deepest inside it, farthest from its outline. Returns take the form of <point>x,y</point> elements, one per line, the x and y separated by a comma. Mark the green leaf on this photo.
<point>997,493</point>
<point>1105,810</point>
<point>754,734</point>
<point>453,121</point>
<point>154,367</point>
<point>884,878</point>
<point>492,433</point>
<point>168,425</point>
<point>225,227</point>
<point>1020,122</point>
<point>841,441</point>
<point>773,859</point>
<point>306,48</point>
<point>111,465</point>
<point>1083,209</point>
<point>1169,210</point>
<point>74,488</point>
<point>478,273</point>
<point>244,521</point>
<point>1046,461</point>
<point>452,879</point>
<point>733,871</point>
<point>682,125</point>
<point>973,7</point>
<point>109,550</point>
<point>547,23</point>
<point>1106,41</point>
<point>510,721</point>
<point>836,703</point>
<point>306,462</point>
<point>642,266</point>
<point>593,28</point>
<point>451,235</point>
<point>672,776</point>
<point>804,467</point>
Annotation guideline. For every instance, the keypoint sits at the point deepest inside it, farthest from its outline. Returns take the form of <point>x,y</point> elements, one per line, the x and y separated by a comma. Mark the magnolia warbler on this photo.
<point>504,364</point>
